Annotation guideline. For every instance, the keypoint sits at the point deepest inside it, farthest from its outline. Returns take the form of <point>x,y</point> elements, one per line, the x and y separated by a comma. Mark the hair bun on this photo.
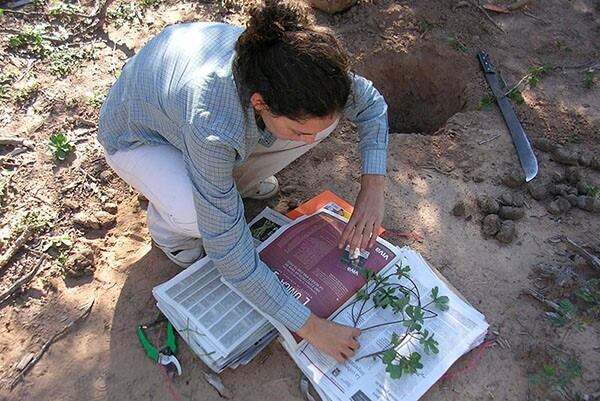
<point>271,19</point>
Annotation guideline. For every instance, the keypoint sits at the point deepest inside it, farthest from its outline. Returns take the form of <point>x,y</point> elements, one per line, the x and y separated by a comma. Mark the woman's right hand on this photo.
<point>334,339</point>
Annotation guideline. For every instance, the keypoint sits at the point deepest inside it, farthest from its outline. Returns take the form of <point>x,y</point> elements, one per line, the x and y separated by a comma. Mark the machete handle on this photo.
<point>486,64</point>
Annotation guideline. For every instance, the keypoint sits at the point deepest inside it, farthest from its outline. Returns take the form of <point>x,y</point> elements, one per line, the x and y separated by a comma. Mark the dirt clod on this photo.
<point>80,262</point>
<point>105,218</point>
<point>71,204</point>
<point>487,204</point>
<point>511,213</point>
<point>510,199</point>
<point>491,225</point>
<point>584,188</point>
<point>514,179</point>
<point>507,232</point>
<point>559,189</point>
<point>459,209</point>
<point>87,220</point>
<point>573,175</point>
<point>559,206</point>
<point>572,198</point>
<point>111,208</point>
<point>585,158</point>
<point>558,177</point>
<point>106,176</point>
<point>595,163</point>
<point>589,203</point>
<point>566,156</point>
<point>538,190</point>
<point>544,145</point>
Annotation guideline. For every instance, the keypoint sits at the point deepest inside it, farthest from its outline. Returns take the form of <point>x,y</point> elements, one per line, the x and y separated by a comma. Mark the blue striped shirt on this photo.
<point>179,90</point>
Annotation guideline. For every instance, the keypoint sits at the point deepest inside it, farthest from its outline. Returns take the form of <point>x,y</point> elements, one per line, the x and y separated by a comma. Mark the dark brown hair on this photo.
<point>298,67</point>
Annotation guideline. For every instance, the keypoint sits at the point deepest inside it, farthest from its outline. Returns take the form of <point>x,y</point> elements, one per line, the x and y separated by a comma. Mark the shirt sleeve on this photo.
<point>225,234</point>
<point>367,109</point>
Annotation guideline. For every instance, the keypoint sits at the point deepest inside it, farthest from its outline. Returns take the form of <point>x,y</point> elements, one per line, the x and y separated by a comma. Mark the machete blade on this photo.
<point>527,158</point>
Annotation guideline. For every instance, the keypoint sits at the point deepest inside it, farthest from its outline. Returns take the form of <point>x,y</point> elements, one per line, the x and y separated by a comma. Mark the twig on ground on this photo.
<point>22,239</point>
<point>30,65</point>
<point>535,17</point>
<point>47,345</point>
<point>439,170</point>
<point>88,175</point>
<point>537,295</point>
<point>594,261</point>
<point>488,140</point>
<point>487,15</point>
<point>16,142</point>
<point>22,281</point>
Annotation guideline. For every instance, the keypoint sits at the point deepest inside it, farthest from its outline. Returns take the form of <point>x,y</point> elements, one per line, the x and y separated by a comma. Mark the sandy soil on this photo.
<point>443,150</point>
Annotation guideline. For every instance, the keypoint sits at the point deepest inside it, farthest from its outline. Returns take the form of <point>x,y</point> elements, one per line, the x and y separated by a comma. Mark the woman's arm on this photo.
<point>367,109</point>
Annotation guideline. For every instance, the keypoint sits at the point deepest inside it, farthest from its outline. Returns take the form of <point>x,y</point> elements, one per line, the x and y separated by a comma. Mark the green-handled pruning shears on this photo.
<point>164,355</point>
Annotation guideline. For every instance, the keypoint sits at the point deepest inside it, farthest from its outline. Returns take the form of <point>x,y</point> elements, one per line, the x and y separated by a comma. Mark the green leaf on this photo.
<point>388,356</point>
<point>362,294</point>
<point>442,303</point>
<point>1,12</point>
<point>434,292</point>
<point>395,371</point>
<point>533,81</point>
<point>517,96</point>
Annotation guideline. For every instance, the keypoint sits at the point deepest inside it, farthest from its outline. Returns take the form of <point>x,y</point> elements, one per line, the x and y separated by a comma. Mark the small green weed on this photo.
<point>590,294</point>
<point>566,316</point>
<point>558,378</point>
<point>25,93</point>
<point>563,46</point>
<point>58,243</point>
<point>517,96</point>
<point>96,99</point>
<point>589,79</point>
<point>125,12</point>
<point>487,101</point>
<point>65,61</point>
<point>425,26</point>
<point>60,9</point>
<point>32,40</point>
<point>5,178</point>
<point>60,145</point>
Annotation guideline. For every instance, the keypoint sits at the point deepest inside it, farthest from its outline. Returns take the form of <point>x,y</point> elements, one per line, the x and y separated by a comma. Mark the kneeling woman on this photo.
<point>206,113</point>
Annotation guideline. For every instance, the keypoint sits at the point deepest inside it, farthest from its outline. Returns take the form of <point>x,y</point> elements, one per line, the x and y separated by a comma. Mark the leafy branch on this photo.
<point>398,292</point>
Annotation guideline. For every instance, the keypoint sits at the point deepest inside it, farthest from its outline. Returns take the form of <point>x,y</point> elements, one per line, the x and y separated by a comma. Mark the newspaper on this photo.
<point>219,326</point>
<point>458,330</point>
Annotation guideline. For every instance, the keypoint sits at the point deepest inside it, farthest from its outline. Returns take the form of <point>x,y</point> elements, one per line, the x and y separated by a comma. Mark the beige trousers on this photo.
<point>158,172</point>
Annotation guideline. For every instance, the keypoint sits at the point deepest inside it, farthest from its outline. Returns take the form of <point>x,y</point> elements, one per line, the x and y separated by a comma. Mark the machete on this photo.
<point>527,158</point>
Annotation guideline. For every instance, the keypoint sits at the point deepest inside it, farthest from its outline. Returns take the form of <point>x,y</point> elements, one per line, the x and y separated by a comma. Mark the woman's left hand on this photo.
<point>363,227</point>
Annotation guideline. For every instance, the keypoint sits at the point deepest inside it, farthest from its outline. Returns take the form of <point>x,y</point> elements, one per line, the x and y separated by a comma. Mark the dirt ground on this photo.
<point>445,148</point>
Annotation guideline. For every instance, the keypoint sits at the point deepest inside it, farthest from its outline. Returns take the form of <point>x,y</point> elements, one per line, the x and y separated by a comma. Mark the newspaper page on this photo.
<point>457,331</point>
<point>215,321</point>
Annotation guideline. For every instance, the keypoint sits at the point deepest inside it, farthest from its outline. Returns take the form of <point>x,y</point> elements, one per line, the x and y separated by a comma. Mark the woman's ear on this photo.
<point>258,102</point>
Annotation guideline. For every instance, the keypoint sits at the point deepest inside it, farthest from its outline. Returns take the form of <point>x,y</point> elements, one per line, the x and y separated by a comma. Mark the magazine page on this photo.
<point>457,331</point>
<point>305,257</point>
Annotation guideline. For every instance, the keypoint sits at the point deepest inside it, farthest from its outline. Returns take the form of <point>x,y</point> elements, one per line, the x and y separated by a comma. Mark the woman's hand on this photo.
<point>363,227</point>
<point>334,339</point>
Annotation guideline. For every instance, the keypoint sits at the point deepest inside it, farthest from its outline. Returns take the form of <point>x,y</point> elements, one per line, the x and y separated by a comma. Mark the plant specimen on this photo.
<point>398,292</point>
<point>60,145</point>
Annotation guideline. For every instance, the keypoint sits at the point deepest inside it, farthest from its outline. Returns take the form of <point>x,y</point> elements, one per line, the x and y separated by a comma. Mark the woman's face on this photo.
<point>285,128</point>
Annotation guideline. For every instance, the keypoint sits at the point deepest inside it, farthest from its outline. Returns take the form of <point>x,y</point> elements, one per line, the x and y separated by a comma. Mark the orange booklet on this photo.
<point>337,205</point>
